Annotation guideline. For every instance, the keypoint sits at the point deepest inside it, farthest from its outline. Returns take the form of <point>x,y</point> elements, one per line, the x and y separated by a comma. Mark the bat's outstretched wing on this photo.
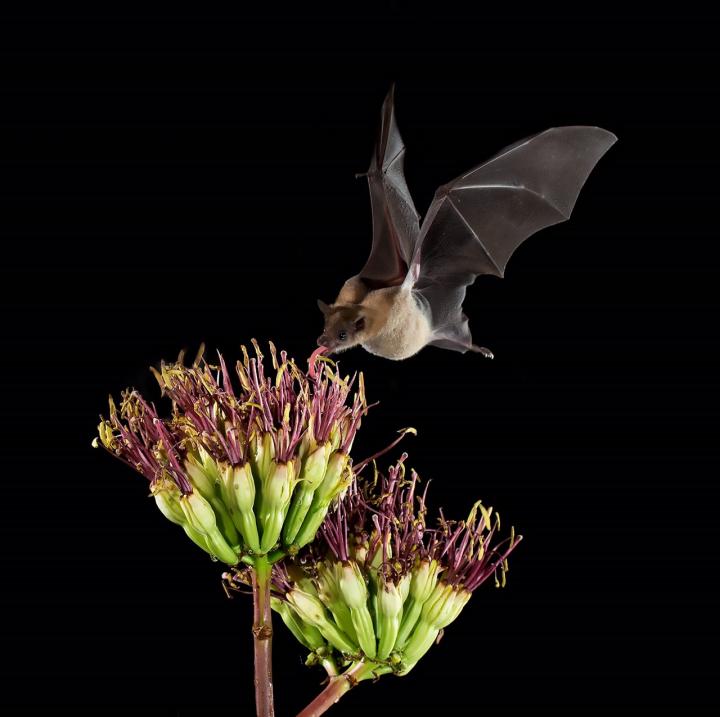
<point>477,221</point>
<point>395,220</point>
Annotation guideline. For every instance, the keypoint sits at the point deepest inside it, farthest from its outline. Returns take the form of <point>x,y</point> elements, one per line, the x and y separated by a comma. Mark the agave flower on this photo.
<point>249,470</point>
<point>376,589</point>
<point>245,471</point>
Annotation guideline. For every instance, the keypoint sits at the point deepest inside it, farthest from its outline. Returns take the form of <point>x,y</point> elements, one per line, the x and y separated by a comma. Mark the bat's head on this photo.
<point>344,327</point>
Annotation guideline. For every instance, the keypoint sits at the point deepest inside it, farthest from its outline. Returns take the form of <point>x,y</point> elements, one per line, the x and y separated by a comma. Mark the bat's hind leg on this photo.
<point>487,353</point>
<point>457,337</point>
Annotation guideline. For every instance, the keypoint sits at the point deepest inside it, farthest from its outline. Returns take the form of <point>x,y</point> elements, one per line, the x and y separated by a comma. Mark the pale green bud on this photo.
<point>199,540</point>
<point>404,586</point>
<point>167,498</point>
<point>424,578</point>
<point>274,502</point>
<point>389,609</point>
<point>221,550</point>
<point>337,478</point>
<point>419,643</point>
<point>439,605</point>
<point>262,454</point>
<point>355,594</point>
<point>328,590</point>
<point>314,466</point>
<point>201,518</point>
<point>306,634</point>
<point>311,474</point>
<point>201,479</point>
<point>199,513</point>
<point>240,485</point>
<point>310,609</point>
<point>238,488</point>
<point>196,517</point>
<point>204,476</point>
<point>456,602</point>
<point>390,600</point>
<point>352,586</point>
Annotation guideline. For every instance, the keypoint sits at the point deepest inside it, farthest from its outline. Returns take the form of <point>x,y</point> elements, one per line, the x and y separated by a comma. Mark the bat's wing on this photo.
<point>477,221</point>
<point>395,220</point>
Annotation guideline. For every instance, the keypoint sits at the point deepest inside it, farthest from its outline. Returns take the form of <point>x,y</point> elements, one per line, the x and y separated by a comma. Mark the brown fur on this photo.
<point>388,322</point>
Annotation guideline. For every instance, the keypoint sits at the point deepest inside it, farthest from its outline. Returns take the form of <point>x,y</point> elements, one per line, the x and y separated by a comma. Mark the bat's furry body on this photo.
<point>410,292</point>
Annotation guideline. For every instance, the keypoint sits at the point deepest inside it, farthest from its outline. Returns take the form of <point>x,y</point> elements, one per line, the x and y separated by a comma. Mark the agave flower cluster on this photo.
<point>249,469</point>
<point>379,585</point>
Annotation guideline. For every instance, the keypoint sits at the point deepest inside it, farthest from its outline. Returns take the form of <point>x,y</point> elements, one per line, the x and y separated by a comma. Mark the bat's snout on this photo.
<point>325,342</point>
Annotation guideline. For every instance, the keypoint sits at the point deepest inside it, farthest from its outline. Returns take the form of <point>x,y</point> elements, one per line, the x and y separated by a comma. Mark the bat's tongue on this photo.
<point>312,361</point>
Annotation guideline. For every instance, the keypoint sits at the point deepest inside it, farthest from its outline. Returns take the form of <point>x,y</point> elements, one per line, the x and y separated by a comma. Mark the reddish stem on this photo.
<point>262,638</point>
<point>335,689</point>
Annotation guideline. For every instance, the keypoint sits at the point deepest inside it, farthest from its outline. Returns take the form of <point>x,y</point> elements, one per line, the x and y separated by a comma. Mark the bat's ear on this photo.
<point>360,323</point>
<point>323,307</point>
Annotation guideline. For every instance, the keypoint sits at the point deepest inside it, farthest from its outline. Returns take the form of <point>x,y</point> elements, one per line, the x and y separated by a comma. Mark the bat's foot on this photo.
<point>487,353</point>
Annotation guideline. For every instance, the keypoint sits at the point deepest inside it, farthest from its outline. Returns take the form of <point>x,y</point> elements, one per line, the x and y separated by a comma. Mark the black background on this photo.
<point>175,179</point>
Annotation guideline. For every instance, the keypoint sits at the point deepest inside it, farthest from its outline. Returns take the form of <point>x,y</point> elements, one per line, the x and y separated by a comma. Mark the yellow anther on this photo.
<point>486,514</point>
<point>258,352</point>
<point>273,354</point>
<point>199,355</point>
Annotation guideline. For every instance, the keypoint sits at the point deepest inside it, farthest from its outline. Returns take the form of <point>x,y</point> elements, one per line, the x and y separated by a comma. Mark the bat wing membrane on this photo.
<point>395,220</point>
<point>476,222</point>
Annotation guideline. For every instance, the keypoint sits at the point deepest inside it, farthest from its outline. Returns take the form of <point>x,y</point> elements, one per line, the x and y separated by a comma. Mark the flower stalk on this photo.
<point>262,637</point>
<point>340,685</point>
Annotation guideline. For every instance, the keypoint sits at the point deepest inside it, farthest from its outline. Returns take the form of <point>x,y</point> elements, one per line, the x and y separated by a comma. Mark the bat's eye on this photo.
<point>342,335</point>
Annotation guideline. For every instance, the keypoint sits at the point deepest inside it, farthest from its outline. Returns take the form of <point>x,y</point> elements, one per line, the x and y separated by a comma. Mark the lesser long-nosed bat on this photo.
<point>410,292</point>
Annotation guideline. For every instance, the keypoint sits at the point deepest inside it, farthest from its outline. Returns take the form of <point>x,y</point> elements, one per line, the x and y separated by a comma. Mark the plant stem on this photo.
<point>337,687</point>
<point>262,637</point>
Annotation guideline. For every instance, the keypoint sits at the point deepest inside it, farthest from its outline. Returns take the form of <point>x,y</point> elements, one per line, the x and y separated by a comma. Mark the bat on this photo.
<point>410,292</point>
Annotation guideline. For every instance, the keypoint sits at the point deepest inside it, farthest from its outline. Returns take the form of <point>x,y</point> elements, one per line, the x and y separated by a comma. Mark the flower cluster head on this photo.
<point>379,584</point>
<point>249,468</point>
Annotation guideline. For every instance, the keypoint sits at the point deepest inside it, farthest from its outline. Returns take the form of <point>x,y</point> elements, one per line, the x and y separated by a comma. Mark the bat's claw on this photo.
<point>487,353</point>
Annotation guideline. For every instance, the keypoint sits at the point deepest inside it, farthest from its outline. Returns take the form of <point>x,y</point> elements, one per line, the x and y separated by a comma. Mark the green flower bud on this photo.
<point>167,498</point>
<point>352,586</point>
<point>456,602</point>
<point>439,605</point>
<point>328,586</point>
<point>422,583</point>
<point>420,642</point>
<point>201,518</point>
<point>424,578</point>
<point>443,606</point>
<point>199,513</point>
<point>310,609</point>
<point>274,502</point>
<point>389,609</point>
<point>355,594</point>
<point>337,478</point>
<point>204,476</point>
<point>312,473</point>
<point>404,586</point>
<point>306,634</point>
<point>203,473</point>
<point>262,454</point>
<point>238,488</point>
<point>199,540</point>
